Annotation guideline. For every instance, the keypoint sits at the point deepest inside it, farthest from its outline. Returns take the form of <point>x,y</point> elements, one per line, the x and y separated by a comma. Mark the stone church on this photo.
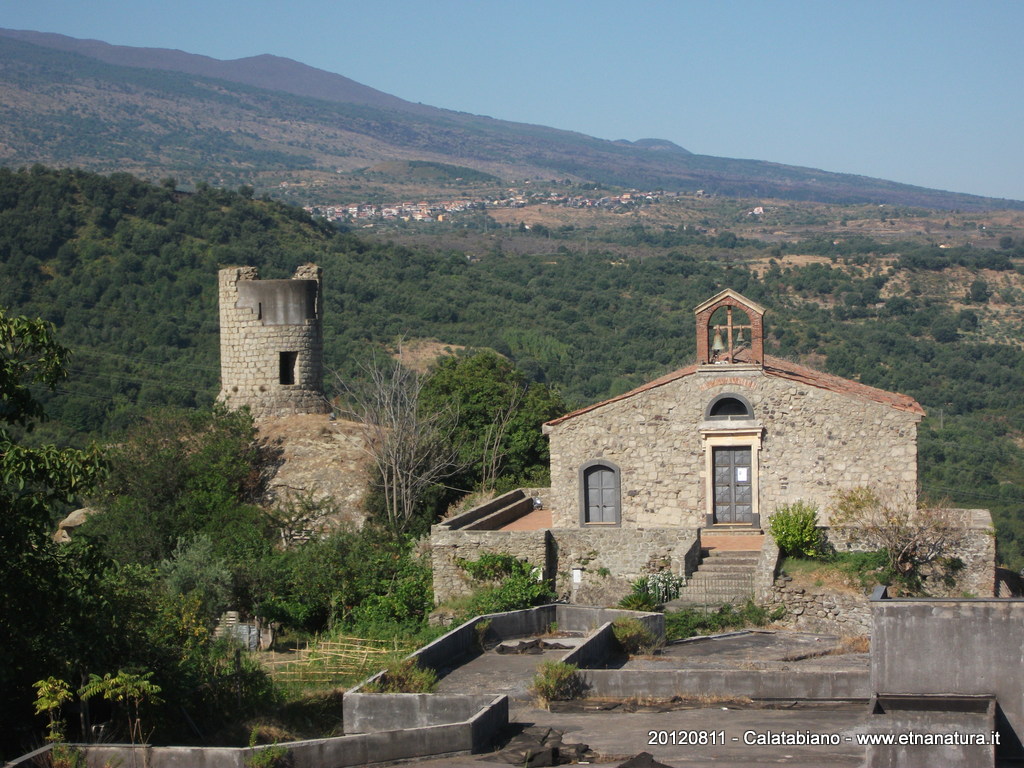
<point>640,480</point>
<point>726,441</point>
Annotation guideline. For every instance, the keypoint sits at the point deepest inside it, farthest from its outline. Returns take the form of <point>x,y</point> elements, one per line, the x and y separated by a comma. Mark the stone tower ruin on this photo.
<point>271,342</point>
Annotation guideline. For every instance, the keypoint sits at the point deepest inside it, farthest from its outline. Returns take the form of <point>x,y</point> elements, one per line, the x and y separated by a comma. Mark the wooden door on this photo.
<point>734,499</point>
<point>602,495</point>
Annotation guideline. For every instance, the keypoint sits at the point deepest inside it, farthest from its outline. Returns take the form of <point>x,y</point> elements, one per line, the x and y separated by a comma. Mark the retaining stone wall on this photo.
<point>605,561</point>
<point>447,546</point>
<point>820,611</point>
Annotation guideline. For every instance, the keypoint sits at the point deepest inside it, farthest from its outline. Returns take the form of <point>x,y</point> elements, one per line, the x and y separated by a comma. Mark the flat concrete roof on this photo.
<point>616,734</point>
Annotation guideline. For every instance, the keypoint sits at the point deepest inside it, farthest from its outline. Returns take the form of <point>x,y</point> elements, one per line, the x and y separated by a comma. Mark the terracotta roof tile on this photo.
<point>774,366</point>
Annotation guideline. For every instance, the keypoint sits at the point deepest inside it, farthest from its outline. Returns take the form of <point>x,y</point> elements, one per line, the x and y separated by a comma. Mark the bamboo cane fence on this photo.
<point>333,661</point>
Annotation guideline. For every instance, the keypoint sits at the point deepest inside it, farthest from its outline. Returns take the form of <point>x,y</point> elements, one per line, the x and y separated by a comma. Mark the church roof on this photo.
<point>773,366</point>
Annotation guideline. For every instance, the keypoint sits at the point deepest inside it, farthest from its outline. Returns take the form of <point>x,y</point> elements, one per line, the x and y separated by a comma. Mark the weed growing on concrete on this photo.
<point>556,681</point>
<point>633,636</point>
<point>405,676</point>
<point>272,756</point>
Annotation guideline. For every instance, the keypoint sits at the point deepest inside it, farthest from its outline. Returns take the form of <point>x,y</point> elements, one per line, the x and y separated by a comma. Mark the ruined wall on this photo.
<point>814,441</point>
<point>271,342</point>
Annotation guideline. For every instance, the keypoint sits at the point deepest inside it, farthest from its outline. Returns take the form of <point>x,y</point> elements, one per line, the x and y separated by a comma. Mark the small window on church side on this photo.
<point>287,368</point>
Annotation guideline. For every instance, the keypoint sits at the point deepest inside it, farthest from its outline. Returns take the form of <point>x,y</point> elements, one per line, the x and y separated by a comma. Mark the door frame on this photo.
<point>748,437</point>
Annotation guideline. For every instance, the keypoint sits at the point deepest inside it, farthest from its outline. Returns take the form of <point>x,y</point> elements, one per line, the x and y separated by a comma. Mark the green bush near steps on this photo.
<point>795,529</point>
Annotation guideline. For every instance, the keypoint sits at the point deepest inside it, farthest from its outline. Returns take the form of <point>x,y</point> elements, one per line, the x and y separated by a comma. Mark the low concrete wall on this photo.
<point>373,712</point>
<point>595,651</point>
<point>481,511</point>
<point>502,516</point>
<point>944,646</point>
<point>726,683</point>
<point>475,722</point>
<point>449,649</point>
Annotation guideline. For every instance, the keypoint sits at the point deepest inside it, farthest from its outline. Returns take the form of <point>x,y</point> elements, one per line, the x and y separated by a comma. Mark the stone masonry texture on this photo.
<point>813,442</point>
<point>267,326</point>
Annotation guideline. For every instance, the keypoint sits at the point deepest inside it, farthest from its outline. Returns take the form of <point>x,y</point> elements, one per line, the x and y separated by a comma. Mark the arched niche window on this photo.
<point>599,493</point>
<point>729,407</point>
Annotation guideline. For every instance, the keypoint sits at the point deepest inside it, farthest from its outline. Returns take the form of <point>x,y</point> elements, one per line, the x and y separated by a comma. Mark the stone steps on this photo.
<point>723,576</point>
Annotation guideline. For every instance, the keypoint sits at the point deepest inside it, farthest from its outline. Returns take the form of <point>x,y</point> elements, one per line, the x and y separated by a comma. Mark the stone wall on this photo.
<point>271,342</point>
<point>598,566</point>
<point>447,546</point>
<point>587,566</point>
<point>975,548</point>
<point>813,441</point>
<point>820,610</point>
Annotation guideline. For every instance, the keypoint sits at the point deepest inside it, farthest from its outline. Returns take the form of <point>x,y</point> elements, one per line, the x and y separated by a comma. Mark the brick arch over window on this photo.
<point>600,493</point>
<point>730,299</point>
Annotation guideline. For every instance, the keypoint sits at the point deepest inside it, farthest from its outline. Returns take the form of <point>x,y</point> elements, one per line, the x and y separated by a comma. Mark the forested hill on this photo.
<point>268,121</point>
<point>127,272</point>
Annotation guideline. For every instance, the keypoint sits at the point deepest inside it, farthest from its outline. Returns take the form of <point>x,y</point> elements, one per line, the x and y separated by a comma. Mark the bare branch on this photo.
<point>410,450</point>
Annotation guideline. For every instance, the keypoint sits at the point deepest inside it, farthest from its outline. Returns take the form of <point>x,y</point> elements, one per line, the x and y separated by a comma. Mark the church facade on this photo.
<point>728,440</point>
<point>640,483</point>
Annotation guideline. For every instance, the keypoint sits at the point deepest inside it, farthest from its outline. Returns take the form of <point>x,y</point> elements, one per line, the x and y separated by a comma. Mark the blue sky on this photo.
<point>928,93</point>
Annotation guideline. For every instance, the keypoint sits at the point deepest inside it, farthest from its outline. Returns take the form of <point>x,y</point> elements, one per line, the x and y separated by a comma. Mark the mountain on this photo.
<point>268,121</point>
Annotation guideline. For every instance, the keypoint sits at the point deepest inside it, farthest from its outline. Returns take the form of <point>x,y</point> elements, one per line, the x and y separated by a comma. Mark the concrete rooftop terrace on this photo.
<point>617,731</point>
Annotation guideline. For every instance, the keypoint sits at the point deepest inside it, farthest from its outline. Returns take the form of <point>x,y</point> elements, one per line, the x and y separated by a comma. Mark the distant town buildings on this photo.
<point>441,210</point>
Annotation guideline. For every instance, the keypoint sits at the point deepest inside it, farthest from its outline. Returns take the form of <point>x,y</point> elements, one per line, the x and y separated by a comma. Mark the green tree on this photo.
<point>979,292</point>
<point>500,417</point>
<point>194,570</point>
<point>35,482</point>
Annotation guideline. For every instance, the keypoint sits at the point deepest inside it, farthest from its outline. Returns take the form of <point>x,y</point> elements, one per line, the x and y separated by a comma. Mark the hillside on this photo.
<point>127,272</point>
<point>283,127</point>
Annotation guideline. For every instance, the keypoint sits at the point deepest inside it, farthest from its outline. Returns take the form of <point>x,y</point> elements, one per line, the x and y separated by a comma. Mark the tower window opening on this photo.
<point>287,367</point>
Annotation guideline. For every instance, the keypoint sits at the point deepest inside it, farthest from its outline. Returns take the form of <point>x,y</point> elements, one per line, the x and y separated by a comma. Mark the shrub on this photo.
<point>633,636</point>
<point>405,676</point>
<point>651,591</point>
<point>509,584</point>
<point>795,528</point>
<point>557,681</point>
<point>690,622</point>
<point>911,537</point>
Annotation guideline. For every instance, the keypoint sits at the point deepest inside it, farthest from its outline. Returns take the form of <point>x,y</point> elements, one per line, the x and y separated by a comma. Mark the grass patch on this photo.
<point>405,676</point>
<point>556,681</point>
<point>847,571</point>
<point>693,622</point>
<point>633,636</point>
